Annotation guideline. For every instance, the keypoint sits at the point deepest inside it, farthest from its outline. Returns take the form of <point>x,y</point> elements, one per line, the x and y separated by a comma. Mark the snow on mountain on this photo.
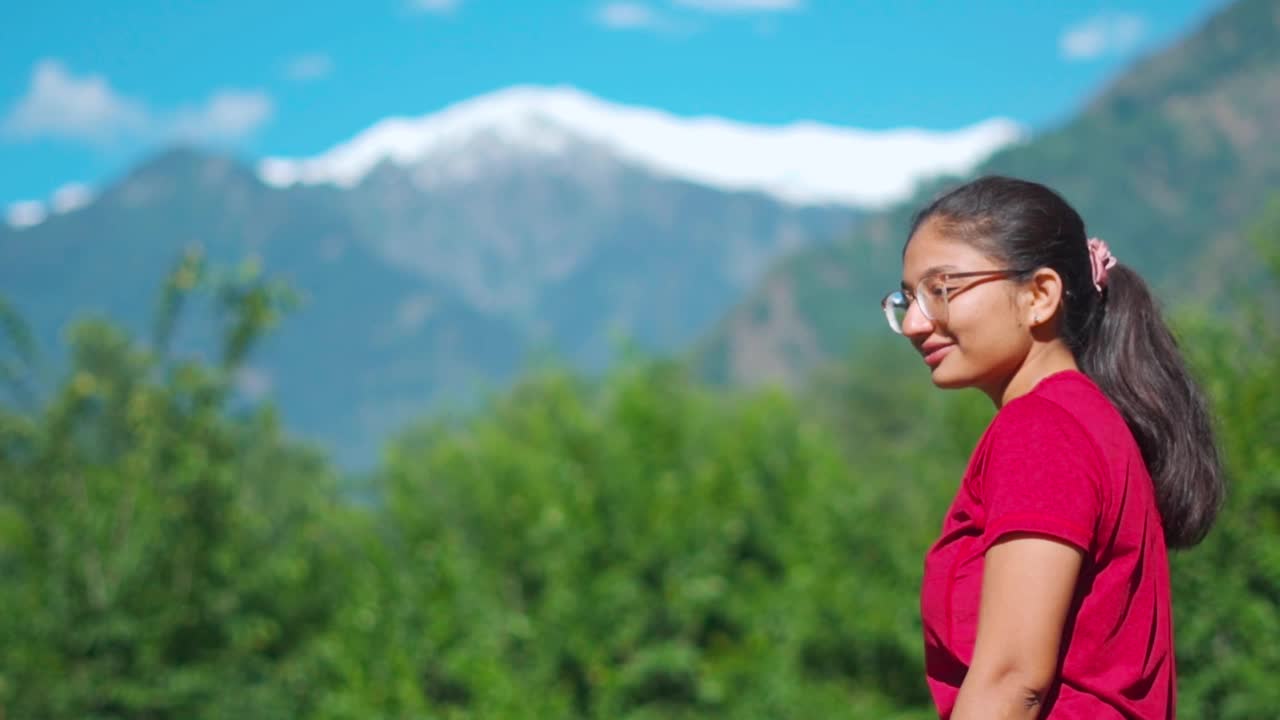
<point>29,213</point>
<point>801,163</point>
<point>25,214</point>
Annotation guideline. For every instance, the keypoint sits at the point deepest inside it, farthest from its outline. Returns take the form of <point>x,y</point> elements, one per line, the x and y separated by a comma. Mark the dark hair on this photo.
<point>1117,336</point>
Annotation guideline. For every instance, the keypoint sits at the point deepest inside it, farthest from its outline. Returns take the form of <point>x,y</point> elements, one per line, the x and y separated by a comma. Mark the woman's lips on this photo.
<point>933,357</point>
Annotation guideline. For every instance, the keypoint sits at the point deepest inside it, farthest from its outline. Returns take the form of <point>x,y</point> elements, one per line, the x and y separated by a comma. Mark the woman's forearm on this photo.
<point>1027,589</point>
<point>1003,696</point>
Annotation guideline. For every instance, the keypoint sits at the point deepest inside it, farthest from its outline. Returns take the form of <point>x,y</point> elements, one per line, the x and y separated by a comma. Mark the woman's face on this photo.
<point>984,339</point>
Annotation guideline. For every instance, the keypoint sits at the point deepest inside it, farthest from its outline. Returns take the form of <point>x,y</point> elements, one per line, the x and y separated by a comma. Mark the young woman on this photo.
<point>1047,594</point>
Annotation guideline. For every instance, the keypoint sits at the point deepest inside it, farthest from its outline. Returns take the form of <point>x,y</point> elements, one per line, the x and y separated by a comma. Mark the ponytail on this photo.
<point>1133,357</point>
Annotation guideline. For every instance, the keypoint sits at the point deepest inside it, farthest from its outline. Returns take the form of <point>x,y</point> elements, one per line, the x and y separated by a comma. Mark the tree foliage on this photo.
<point>635,546</point>
<point>163,555</point>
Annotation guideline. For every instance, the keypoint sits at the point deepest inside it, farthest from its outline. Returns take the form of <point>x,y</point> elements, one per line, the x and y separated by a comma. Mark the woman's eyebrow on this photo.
<point>931,271</point>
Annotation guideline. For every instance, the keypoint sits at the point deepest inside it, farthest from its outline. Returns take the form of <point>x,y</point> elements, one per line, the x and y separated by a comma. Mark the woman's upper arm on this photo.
<point>1028,585</point>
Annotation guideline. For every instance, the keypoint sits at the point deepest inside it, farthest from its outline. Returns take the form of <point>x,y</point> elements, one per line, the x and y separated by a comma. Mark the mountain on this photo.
<point>1168,164</point>
<point>337,366</point>
<point>436,255</point>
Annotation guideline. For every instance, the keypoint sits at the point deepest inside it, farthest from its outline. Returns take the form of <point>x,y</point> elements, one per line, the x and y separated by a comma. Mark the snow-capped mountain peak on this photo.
<point>801,163</point>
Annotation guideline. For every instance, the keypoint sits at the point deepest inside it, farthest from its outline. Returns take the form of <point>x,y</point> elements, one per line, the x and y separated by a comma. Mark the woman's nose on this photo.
<point>914,321</point>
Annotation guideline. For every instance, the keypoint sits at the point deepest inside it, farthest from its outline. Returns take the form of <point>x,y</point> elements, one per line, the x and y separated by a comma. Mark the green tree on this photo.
<point>1227,591</point>
<point>164,554</point>
<point>640,548</point>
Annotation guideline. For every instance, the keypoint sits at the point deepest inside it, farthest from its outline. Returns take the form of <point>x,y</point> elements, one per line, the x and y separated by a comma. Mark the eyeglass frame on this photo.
<point>910,296</point>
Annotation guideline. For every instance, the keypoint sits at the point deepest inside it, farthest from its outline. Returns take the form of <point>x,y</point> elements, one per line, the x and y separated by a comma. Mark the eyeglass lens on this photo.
<point>931,295</point>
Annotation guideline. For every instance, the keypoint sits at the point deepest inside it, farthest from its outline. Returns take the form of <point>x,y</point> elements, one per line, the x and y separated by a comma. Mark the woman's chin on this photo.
<point>947,379</point>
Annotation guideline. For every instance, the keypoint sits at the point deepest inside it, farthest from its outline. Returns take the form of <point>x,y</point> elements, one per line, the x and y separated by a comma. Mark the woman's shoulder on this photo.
<point>1059,418</point>
<point>1066,421</point>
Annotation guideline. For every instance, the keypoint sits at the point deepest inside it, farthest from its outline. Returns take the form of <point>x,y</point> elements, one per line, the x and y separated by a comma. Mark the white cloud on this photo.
<point>627,16</point>
<point>437,7</point>
<point>70,197</point>
<point>59,104</point>
<point>1107,34</point>
<point>635,15</point>
<point>86,108</point>
<point>26,213</point>
<point>227,115</point>
<point>741,6</point>
<point>309,66</point>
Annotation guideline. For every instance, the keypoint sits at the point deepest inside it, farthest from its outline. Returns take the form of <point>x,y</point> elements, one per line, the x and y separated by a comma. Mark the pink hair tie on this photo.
<point>1102,260</point>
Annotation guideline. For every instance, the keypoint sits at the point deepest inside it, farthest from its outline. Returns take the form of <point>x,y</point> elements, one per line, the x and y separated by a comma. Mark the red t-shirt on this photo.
<point>1060,462</point>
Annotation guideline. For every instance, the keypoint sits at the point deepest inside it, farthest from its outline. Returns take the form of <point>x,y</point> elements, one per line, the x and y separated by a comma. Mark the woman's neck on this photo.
<point>1043,360</point>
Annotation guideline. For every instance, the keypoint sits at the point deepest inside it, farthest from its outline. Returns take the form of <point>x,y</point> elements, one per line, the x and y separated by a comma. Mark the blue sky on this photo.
<point>88,88</point>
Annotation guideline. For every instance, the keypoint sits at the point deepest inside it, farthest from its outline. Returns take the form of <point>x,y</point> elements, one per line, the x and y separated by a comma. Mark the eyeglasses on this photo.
<point>933,293</point>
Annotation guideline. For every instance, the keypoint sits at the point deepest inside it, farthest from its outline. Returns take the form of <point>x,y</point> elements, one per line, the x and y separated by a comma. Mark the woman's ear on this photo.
<point>1043,293</point>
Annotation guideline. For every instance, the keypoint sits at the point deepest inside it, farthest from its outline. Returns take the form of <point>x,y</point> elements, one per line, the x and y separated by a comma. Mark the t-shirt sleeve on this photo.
<point>1042,475</point>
